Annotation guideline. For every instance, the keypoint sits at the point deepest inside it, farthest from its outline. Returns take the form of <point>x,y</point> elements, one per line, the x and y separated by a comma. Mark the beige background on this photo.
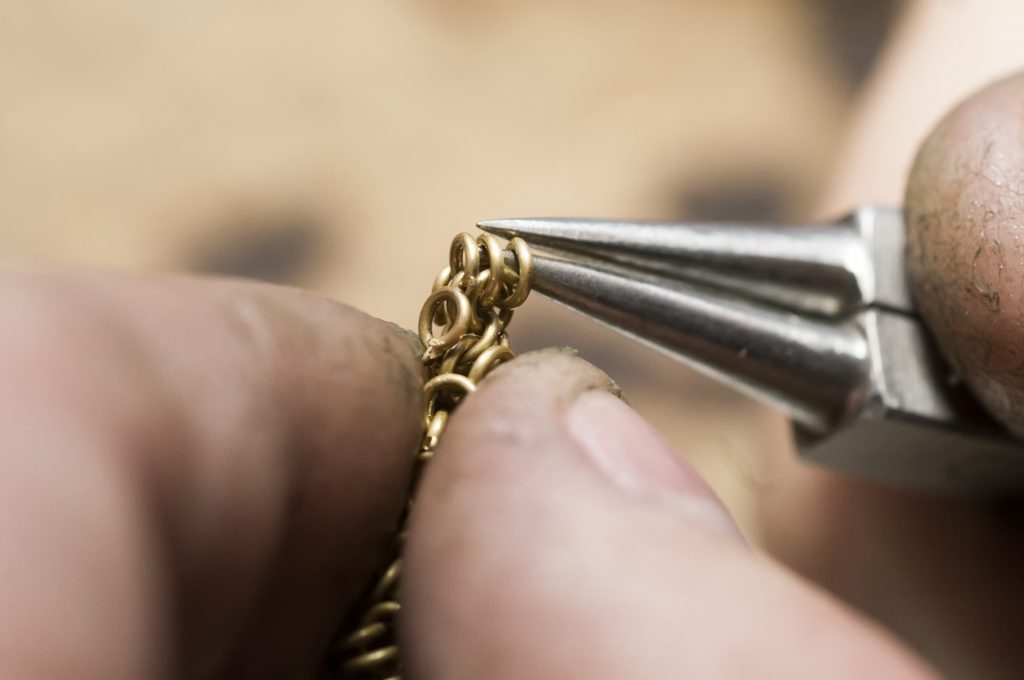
<point>338,146</point>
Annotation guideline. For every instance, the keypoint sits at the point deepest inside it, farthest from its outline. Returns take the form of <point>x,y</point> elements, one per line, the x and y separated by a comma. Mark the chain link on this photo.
<point>462,328</point>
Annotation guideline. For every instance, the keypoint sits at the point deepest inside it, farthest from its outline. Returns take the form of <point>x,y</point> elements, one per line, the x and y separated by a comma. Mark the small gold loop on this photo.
<point>381,611</point>
<point>442,279</point>
<point>482,315</point>
<point>486,340</point>
<point>491,357</point>
<point>524,267</point>
<point>467,284</point>
<point>372,659</point>
<point>464,282</point>
<point>447,382</point>
<point>386,583</point>
<point>464,256</point>
<point>445,299</point>
<point>457,386</point>
<point>365,634</point>
<point>484,283</point>
<point>435,426</point>
<point>506,316</point>
<point>456,356</point>
<point>491,290</point>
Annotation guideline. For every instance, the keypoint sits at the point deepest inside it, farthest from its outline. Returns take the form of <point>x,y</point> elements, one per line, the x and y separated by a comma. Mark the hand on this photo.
<point>942,573</point>
<point>199,477</point>
<point>965,232</point>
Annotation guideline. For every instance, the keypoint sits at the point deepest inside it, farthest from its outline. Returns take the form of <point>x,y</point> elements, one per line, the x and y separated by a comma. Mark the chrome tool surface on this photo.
<point>816,319</point>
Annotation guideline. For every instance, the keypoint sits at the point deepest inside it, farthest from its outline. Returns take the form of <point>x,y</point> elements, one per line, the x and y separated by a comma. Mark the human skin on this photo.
<point>621,582</point>
<point>199,477</point>
<point>965,233</point>
<point>943,570</point>
<point>196,476</point>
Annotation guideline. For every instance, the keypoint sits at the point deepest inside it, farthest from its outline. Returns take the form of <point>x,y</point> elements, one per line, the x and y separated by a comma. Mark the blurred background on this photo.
<point>339,146</point>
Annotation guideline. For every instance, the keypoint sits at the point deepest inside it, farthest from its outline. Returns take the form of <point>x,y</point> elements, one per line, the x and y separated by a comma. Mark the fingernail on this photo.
<point>638,461</point>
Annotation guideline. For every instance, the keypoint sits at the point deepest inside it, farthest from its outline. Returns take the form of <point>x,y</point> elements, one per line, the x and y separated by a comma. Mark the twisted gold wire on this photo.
<point>462,327</point>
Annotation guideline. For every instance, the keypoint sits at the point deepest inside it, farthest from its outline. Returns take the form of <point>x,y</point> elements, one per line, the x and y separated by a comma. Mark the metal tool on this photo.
<point>816,319</point>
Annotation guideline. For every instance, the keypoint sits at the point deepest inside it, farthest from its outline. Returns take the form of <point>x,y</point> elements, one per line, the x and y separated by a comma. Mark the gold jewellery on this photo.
<point>462,328</point>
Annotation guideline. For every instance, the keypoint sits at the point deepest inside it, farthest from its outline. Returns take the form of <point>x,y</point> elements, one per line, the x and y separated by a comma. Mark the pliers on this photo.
<point>816,319</point>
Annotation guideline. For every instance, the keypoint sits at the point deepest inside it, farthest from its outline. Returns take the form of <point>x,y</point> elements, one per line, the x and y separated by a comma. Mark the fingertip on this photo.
<point>557,535</point>
<point>964,213</point>
<point>541,499</point>
<point>557,373</point>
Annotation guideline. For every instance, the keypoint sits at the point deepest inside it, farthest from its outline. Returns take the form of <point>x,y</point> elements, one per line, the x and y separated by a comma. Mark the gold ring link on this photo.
<point>487,340</point>
<point>458,359</point>
<point>365,635</point>
<point>489,360</point>
<point>387,582</point>
<point>467,284</point>
<point>464,256</point>
<point>372,659</point>
<point>381,611</point>
<point>495,271</point>
<point>455,327</point>
<point>524,267</point>
<point>454,383</point>
<point>432,434</point>
<point>443,278</point>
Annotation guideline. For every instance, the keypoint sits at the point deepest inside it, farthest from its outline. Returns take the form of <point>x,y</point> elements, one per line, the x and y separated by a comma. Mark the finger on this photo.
<point>196,475</point>
<point>965,204</point>
<point>556,535</point>
<point>942,572</point>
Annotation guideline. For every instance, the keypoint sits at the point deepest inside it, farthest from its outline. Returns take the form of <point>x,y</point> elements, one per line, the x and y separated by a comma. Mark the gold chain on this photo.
<point>462,327</point>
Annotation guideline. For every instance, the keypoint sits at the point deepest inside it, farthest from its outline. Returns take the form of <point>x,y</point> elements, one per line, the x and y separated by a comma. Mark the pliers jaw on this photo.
<point>824,270</point>
<point>815,319</point>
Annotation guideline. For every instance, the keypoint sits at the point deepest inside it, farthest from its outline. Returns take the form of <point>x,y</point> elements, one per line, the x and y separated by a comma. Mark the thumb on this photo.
<point>963,213</point>
<point>557,535</point>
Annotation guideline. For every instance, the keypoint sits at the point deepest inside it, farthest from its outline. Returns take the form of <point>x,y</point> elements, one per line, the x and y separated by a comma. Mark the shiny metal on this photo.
<point>818,269</point>
<point>815,319</point>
